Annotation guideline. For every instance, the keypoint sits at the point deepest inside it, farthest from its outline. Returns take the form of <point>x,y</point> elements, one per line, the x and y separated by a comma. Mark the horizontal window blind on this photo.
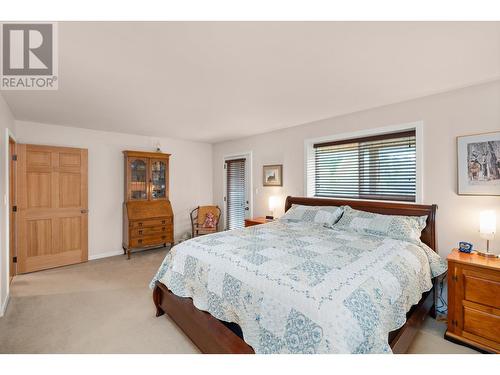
<point>235,194</point>
<point>381,167</point>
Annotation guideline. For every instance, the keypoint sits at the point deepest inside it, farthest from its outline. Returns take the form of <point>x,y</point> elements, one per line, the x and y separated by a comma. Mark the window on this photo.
<point>380,167</point>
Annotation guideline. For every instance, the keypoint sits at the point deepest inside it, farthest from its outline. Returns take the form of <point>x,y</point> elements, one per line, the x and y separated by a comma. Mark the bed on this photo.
<point>334,291</point>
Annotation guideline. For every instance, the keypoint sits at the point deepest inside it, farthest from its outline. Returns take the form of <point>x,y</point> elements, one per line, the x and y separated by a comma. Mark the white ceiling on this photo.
<point>213,81</point>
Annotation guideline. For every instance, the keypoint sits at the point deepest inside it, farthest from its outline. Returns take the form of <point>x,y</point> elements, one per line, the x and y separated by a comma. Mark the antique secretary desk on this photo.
<point>148,220</point>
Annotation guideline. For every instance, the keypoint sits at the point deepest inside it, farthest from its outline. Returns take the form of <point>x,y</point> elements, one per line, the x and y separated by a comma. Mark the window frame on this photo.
<point>309,155</point>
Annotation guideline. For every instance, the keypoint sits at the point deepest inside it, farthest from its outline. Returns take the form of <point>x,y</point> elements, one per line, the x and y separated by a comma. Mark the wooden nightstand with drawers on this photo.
<point>256,221</point>
<point>474,301</point>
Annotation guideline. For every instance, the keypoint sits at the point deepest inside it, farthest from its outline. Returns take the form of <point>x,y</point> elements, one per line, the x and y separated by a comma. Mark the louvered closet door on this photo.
<point>236,202</point>
<point>52,207</point>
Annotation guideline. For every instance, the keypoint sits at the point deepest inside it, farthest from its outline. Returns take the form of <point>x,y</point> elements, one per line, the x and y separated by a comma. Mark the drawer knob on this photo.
<point>140,232</point>
<point>140,224</point>
<point>163,221</point>
<point>163,229</point>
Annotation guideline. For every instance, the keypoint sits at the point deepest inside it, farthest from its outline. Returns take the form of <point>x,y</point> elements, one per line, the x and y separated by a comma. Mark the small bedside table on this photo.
<point>256,221</point>
<point>474,301</point>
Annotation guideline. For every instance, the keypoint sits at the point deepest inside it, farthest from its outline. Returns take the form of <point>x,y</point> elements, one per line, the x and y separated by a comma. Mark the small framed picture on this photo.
<point>479,164</point>
<point>273,175</point>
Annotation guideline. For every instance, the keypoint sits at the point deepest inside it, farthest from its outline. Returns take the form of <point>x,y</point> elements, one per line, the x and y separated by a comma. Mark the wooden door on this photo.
<point>52,207</point>
<point>12,205</point>
<point>236,193</point>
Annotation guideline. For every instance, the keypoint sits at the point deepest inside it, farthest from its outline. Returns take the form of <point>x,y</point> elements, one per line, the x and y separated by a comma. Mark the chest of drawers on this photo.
<point>147,225</point>
<point>474,301</point>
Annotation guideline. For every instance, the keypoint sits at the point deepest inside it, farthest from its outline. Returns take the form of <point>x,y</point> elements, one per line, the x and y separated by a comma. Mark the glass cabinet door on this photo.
<point>137,184</point>
<point>158,179</point>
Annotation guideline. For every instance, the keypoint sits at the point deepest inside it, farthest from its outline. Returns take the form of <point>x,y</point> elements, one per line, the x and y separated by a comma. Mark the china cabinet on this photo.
<point>147,212</point>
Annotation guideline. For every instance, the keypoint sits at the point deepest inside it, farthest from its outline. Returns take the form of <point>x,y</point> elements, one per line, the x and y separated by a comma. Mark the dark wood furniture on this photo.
<point>213,336</point>
<point>256,221</point>
<point>474,301</point>
<point>148,220</point>
<point>198,216</point>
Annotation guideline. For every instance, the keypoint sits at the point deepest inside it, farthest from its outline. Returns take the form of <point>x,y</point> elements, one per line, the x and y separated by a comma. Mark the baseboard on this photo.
<point>111,254</point>
<point>3,307</point>
<point>106,255</point>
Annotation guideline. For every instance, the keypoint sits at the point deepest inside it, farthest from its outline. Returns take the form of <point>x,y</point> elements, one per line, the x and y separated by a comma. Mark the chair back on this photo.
<point>204,210</point>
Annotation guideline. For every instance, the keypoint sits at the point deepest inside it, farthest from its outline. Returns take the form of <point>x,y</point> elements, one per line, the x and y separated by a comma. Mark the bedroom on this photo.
<point>249,187</point>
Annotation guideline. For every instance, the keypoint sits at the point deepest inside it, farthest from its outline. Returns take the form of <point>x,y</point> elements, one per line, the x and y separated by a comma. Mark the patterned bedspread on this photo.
<point>301,287</point>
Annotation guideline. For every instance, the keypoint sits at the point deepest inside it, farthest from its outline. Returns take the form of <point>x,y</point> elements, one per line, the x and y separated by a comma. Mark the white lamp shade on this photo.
<point>487,224</point>
<point>273,202</point>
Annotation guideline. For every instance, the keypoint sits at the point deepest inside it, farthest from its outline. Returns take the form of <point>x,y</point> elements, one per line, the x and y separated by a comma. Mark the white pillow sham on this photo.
<point>406,228</point>
<point>326,215</point>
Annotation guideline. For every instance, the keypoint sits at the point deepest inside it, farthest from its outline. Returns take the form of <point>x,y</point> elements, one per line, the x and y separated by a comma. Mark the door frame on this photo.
<point>5,242</point>
<point>249,175</point>
<point>12,198</point>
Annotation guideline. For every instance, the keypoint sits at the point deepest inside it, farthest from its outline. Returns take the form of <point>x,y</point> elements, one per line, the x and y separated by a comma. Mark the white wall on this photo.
<point>6,122</point>
<point>445,116</point>
<point>190,176</point>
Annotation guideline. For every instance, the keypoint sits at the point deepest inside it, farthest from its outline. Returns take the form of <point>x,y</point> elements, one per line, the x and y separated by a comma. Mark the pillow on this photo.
<point>326,215</point>
<point>407,228</point>
<point>209,221</point>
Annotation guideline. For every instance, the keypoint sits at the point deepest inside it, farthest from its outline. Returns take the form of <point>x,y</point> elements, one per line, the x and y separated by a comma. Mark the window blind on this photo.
<point>381,167</point>
<point>235,193</point>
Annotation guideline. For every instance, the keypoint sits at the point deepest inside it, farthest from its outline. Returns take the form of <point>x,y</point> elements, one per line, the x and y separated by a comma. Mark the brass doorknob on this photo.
<point>84,211</point>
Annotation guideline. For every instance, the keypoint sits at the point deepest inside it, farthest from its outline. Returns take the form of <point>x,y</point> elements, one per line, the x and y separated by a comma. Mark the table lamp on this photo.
<point>273,204</point>
<point>487,229</point>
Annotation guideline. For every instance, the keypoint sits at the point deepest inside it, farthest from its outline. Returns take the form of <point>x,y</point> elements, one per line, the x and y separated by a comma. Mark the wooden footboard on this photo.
<point>401,339</point>
<point>206,332</point>
<point>212,337</point>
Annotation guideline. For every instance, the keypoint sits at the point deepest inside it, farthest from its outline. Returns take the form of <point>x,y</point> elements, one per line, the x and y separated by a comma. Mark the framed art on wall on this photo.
<point>479,164</point>
<point>272,175</point>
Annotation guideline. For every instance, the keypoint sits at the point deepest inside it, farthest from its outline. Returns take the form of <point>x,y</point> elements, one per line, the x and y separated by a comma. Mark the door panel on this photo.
<point>69,160</point>
<point>52,207</point>
<point>39,237</point>
<point>38,189</point>
<point>70,229</point>
<point>38,160</point>
<point>69,190</point>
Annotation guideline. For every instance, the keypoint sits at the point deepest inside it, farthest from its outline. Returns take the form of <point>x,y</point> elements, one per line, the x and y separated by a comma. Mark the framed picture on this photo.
<point>479,164</point>
<point>273,175</point>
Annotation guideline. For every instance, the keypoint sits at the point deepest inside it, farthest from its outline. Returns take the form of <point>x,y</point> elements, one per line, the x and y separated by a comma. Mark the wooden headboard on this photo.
<point>428,234</point>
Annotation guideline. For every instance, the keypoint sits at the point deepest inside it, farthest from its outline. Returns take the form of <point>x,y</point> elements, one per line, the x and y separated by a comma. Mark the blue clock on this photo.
<point>465,247</point>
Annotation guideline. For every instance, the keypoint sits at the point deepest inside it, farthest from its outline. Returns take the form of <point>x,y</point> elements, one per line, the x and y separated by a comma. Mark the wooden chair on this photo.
<point>198,216</point>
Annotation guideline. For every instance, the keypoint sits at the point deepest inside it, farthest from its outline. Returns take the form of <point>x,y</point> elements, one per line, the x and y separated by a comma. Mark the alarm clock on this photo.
<point>465,247</point>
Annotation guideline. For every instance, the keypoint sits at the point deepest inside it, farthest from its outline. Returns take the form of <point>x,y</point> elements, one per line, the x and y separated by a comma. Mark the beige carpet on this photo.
<point>105,306</point>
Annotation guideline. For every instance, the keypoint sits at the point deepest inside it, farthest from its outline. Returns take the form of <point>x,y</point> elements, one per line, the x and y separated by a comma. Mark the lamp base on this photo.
<point>486,254</point>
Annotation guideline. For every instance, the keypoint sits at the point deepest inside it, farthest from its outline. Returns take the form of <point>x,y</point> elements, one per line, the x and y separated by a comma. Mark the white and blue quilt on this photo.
<point>302,287</point>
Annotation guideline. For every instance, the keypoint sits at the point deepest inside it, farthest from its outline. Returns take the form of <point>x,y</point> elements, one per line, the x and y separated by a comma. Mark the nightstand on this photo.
<point>474,301</point>
<point>256,221</point>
